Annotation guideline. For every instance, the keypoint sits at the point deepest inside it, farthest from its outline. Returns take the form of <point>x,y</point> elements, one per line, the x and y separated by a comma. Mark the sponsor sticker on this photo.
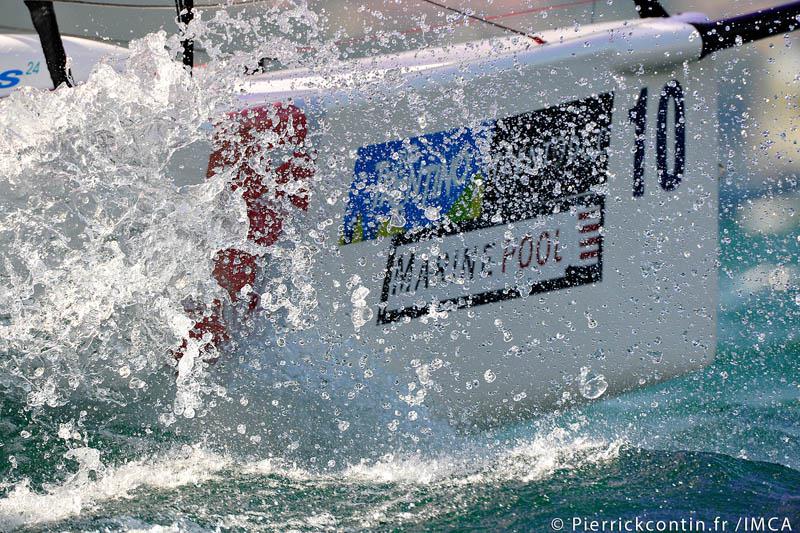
<point>475,264</point>
<point>510,208</point>
<point>412,183</point>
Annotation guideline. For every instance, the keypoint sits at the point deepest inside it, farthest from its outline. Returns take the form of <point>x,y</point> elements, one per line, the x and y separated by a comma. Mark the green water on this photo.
<point>721,443</point>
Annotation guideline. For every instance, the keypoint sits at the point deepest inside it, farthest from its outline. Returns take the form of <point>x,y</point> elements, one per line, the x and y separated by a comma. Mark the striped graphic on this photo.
<point>491,213</point>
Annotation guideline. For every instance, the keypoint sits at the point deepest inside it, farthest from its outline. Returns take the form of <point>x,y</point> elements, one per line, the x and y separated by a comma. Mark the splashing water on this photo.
<point>95,486</point>
<point>105,236</point>
<point>100,244</point>
<point>106,247</point>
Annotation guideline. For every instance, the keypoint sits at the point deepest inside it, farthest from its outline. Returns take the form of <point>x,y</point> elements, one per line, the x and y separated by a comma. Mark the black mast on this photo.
<point>650,9</point>
<point>742,29</point>
<point>44,20</point>
<point>733,31</point>
<point>185,16</point>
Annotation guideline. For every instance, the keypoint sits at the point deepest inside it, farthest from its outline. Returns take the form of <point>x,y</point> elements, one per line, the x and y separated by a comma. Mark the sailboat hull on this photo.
<point>511,232</point>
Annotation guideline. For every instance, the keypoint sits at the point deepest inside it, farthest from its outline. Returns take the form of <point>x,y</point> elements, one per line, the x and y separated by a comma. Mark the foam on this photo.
<point>476,462</point>
<point>80,494</point>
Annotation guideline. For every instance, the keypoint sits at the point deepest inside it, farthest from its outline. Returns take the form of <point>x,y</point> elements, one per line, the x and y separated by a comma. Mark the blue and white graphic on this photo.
<point>412,183</point>
<point>10,78</point>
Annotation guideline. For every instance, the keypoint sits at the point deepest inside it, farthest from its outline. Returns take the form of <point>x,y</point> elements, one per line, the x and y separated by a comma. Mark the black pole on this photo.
<point>650,9</point>
<point>734,31</point>
<point>185,16</point>
<point>44,20</point>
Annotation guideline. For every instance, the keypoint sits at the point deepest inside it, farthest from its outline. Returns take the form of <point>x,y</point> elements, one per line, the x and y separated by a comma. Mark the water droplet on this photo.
<point>592,385</point>
<point>65,431</point>
<point>361,315</point>
<point>125,371</point>
<point>432,213</point>
<point>359,295</point>
<point>779,279</point>
<point>489,376</point>
<point>343,425</point>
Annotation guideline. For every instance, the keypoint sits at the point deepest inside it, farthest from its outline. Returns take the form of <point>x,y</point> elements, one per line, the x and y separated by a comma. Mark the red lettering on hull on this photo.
<point>526,239</point>
<point>539,259</point>
<point>556,254</point>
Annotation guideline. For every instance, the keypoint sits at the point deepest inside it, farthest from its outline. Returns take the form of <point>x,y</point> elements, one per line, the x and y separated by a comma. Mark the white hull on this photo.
<point>638,302</point>
<point>586,270</point>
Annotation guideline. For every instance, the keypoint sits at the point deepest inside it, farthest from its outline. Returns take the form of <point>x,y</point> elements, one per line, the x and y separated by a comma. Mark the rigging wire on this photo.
<point>210,5</point>
<point>534,38</point>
